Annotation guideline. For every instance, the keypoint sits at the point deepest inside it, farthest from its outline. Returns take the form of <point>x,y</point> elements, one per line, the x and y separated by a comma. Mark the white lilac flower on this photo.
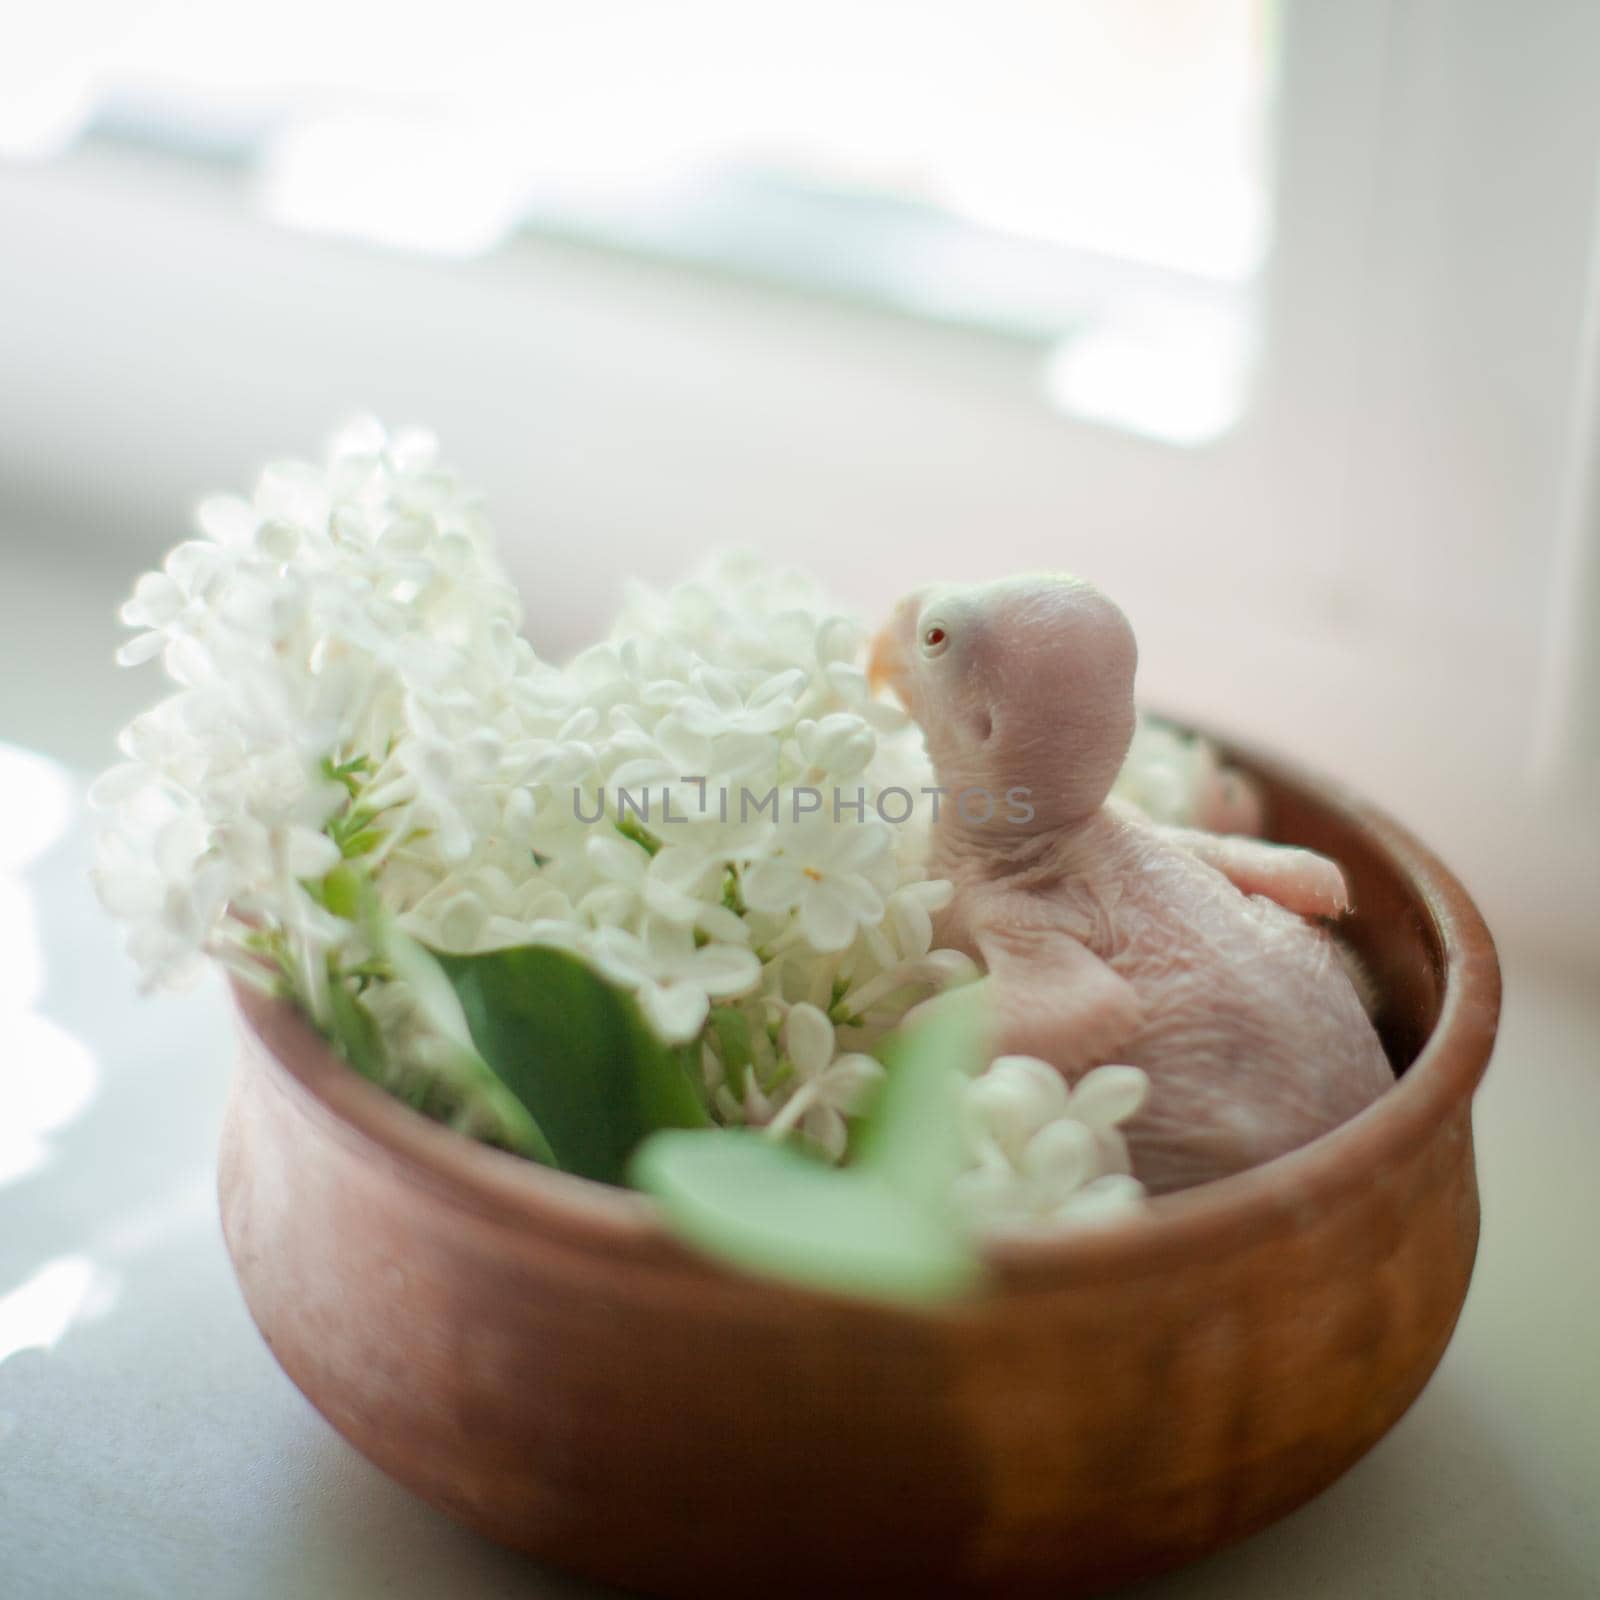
<point>1041,1153</point>
<point>345,652</point>
<point>675,979</point>
<point>828,1087</point>
<point>1165,772</point>
<point>672,884</point>
<point>840,745</point>
<point>835,877</point>
<point>722,702</point>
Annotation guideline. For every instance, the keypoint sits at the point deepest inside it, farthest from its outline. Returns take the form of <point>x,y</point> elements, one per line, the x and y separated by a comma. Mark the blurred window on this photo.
<point>1087,173</point>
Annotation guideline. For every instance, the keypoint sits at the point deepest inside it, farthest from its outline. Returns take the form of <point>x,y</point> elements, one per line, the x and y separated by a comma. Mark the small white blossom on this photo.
<point>839,746</point>
<point>1168,773</point>
<point>1041,1154</point>
<point>674,980</point>
<point>828,1087</point>
<point>835,878</point>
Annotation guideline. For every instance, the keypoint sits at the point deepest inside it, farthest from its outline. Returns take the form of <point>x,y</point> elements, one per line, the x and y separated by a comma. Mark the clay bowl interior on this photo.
<point>533,1354</point>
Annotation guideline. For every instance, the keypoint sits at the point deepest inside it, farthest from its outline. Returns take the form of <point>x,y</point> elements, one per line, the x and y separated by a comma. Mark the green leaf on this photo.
<point>433,992</point>
<point>576,1052</point>
<point>349,886</point>
<point>912,1138</point>
<point>771,1210</point>
<point>880,1228</point>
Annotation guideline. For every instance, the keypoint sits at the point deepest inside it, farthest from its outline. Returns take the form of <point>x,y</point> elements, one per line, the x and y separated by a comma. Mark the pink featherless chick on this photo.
<point>1108,938</point>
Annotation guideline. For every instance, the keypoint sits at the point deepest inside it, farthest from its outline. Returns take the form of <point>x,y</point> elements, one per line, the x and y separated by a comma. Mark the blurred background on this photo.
<point>1276,319</point>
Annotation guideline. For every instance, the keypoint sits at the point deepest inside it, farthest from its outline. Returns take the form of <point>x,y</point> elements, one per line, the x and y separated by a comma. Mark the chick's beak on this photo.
<point>887,663</point>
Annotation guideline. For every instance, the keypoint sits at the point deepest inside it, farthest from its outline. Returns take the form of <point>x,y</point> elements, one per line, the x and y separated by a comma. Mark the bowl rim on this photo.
<point>1169,1228</point>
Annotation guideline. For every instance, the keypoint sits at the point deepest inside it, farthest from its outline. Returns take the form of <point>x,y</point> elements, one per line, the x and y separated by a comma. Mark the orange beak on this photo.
<point>886,664</point>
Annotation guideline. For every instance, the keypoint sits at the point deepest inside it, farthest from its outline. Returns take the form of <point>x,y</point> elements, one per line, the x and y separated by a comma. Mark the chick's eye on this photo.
<point>934,639</point>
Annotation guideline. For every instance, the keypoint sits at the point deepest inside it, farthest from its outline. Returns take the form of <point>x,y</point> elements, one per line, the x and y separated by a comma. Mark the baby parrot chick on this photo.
<point>1107,937</point>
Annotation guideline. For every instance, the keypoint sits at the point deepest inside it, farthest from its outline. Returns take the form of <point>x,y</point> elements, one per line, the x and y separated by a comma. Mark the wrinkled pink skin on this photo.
<point>1105,937</point>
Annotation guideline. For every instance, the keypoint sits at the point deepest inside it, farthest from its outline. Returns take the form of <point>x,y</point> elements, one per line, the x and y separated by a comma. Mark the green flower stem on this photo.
<point>632,828</point>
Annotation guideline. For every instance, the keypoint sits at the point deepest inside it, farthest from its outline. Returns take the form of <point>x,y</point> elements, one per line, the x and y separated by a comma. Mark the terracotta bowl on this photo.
<point>534,1355</point>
